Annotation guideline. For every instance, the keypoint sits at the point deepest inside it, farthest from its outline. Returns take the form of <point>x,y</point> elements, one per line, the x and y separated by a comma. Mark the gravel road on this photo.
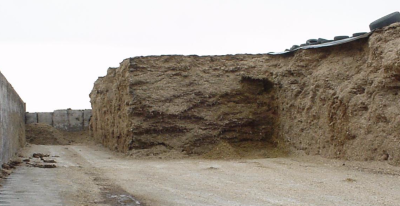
<point>92,175</point>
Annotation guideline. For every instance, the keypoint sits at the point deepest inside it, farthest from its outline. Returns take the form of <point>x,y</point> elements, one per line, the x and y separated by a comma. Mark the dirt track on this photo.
<point>91,175</point>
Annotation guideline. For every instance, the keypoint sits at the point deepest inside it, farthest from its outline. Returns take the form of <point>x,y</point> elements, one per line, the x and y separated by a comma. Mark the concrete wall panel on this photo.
<point>45,117</point>
<point>67,120</point>
<point>60,119</point>
<point>12,121</point>
<point>75,119</point>
<point>31,118</point>
<point>87,114</point>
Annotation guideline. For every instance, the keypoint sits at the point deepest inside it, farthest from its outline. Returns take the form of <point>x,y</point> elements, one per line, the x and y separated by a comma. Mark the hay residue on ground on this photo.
<point>44,134</point>
<point>244,150</point>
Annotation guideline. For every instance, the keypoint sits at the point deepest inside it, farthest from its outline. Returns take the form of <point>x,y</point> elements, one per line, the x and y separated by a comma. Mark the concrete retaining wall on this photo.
<point>12,121</point>
<point>31,118</point>
<point>67,120</point>
<point>45,117</point>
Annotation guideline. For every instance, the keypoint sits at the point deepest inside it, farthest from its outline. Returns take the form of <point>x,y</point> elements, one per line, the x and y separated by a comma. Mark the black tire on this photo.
<point>359,34</point>
<point>321,40</point>
<point>294,47</point>
<point>311,41</point>
<point>340,37</point>
<point>326,41</point>
<point>385,21</point>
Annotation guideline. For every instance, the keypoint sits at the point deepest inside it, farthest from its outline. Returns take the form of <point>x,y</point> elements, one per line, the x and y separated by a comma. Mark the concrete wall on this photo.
<point>67,120</point>
<point>12,121</point>
<point>60,119</point>
<point>31,118</point>
<point>87,114</point>
<point>45,117</point>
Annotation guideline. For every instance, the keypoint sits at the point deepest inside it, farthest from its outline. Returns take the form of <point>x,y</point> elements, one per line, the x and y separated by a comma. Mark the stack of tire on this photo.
<point>377,24</point>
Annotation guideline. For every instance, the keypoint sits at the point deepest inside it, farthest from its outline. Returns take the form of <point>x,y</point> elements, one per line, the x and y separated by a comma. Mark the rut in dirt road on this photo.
<point>92,175</point>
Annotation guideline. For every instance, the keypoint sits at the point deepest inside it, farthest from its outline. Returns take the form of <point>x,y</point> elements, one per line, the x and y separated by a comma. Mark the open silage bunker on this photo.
<point>185,103</point>
<point>338,102</point>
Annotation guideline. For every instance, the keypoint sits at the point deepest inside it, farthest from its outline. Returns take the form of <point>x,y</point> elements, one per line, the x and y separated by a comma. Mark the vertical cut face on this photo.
<point>339,102</point>
<point>182,103</point>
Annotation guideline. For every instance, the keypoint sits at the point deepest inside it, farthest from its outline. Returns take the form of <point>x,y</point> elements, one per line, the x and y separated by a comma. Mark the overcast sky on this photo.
<point>52,51</point>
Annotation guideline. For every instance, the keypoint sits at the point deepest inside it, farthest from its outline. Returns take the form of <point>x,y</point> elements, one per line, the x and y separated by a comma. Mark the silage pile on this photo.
<point>338,102</point>
<point>44,134</point>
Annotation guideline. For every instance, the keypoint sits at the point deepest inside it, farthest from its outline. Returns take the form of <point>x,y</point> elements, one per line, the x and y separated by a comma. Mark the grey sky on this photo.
<point>52,51</point>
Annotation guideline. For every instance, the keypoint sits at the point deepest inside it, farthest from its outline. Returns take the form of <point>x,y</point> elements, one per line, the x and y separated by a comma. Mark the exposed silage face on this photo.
<point>339,102</point>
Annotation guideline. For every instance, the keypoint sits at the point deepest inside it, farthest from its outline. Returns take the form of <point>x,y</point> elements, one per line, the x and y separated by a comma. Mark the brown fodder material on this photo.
<point>343,102</point>
<point>245,150</point>
<point>188,107</point>
<point>223,150</point>
<point>338,102</point>
<point>44,134</point>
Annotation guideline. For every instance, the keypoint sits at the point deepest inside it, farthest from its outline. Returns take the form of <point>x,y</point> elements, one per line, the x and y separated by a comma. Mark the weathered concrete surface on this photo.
<point>31,118</point>
<point>45,117</point>
<point>31,186</point>
<point>60,119</point>
<point>12,121</point>
<point>67,120</point>
<point>75,120</point>
<point>87,114</point>
<point>74,182</point>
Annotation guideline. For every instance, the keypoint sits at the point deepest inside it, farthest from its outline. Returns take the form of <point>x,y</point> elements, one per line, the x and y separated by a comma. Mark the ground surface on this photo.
<point>92,175</point>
